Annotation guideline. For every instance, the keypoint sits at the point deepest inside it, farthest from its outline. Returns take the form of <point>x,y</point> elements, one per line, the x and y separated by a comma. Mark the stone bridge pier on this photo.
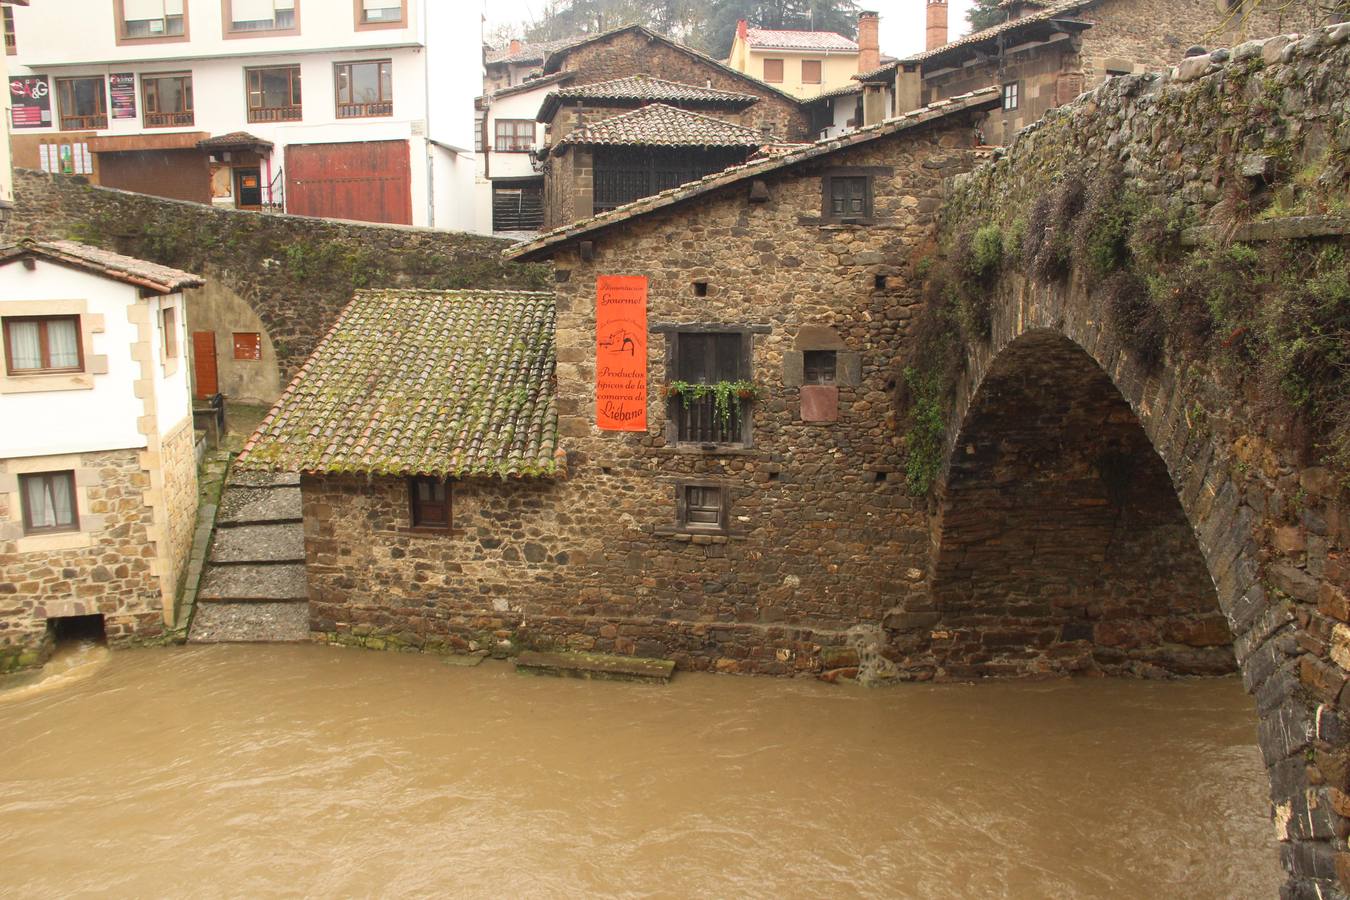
<point>1096,515</point>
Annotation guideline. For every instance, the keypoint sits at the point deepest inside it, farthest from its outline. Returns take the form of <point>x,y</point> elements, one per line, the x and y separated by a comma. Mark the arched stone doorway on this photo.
<point>1060,544</point>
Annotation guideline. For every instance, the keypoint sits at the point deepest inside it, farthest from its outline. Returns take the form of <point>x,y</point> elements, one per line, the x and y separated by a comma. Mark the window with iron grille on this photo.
<point>168,100</point>
<point>364,88</point>
<point>622,175</point>
<point>82,103</point>
<point>847,197</point>
<point>274,94</point>
<point>430,503</point>
<point>514,135</point>
<point>709,358</point>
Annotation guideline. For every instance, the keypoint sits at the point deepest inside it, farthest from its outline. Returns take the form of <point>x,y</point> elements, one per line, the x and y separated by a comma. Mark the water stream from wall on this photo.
<point>249,771</point>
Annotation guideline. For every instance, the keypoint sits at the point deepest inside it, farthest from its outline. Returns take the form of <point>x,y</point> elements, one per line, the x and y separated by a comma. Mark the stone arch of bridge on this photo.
<point>1178,461</point>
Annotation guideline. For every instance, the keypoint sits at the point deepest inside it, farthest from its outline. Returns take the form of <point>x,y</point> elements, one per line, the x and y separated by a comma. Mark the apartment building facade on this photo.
<point>340,108</point>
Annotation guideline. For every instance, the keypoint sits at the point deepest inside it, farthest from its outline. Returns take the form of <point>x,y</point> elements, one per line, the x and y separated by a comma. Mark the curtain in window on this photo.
<point>49,501</point>
<point>63,342</point>
<point>25,348</point>
<point>62,505</point>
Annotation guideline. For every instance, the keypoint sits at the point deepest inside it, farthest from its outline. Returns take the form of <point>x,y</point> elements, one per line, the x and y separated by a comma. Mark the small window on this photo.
<point>514,135</point>
<point>847,197</point>
<point>247,345</point>
<point>701,507</point>
<point>700,288</point>
<point>248,16</point>
<point>11,45</point>
<point>773,71</point>
<point>168,317</point>
<point>150,19</point>
<point>810,71</point>
<point>1010,95</point>
<point>274,94</point>
<point>36,345</point>
<point>818,366</point>
<point>364,89</point>
<point>168,100</point>
<point>48,501</point>
<point>430,503</point>
<point>82,103</point>
<point>380,13</point>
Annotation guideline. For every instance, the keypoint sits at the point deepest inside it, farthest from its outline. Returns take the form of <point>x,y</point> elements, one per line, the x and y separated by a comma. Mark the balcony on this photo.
<point>276,114</point>
<point>168,120</point>
<point>698,420</point>
<point>358,110</point>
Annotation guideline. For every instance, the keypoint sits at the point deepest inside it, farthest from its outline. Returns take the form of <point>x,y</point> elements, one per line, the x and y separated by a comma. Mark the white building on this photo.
<point>509,189</point>
<point>98,483</point>
<point>344,108</point>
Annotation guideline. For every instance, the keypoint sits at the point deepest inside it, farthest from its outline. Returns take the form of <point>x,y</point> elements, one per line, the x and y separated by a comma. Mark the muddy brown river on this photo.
<point>250,771</point>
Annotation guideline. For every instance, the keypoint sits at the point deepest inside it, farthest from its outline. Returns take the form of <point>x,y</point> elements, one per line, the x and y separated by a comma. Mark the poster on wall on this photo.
<point>122,88</point>
<point>30,102</point>
<point>621,352</point>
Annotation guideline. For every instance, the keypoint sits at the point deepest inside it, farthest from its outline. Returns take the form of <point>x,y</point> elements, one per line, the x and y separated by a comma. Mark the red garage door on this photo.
<point>369,181</point>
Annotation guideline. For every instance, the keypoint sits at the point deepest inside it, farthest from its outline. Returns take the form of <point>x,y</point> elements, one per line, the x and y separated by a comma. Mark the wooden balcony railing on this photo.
<point>167,120</point>
<point>275,114</point>
<point>357,110</point>
<point>699,421</point>
<point>84,123</point>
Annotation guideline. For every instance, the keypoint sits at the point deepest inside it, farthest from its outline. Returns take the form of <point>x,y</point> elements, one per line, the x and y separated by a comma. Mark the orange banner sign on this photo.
<point>621,352</point>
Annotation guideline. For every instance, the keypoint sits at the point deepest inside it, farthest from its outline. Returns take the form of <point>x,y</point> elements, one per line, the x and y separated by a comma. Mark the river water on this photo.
<point>244,771</point>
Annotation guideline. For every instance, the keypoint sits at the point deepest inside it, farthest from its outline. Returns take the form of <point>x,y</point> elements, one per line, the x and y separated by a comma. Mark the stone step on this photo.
<point>254,582</point>
<point>258,505</point>
<point>259,544</point>
<point>264,479</point>
<point>259,622</point>
<point>595,665</point>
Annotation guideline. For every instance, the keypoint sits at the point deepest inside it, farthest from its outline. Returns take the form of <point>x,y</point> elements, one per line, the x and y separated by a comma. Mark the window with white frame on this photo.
<point>1010,98</point>
<point>150,19</point>
<point>260,15</point>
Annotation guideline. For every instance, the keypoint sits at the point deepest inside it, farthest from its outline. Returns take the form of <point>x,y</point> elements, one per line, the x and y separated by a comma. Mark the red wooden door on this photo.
<point>369,181</point>
<point>204,363</point>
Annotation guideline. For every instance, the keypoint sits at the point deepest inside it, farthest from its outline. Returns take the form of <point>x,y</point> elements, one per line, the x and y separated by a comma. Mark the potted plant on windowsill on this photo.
<point>722,392</point>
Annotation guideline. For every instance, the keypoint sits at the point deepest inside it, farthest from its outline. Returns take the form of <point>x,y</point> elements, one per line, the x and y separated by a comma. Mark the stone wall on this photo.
<point>295,273</point>
<point>178,474</point>
<point>631,52</point>
<point>107,567</point>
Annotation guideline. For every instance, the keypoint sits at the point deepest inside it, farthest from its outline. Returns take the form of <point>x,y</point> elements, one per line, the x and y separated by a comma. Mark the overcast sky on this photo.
<point>902,21</point>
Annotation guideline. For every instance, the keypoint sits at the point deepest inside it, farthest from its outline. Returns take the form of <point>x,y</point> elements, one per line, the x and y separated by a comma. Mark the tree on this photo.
<point>984,14</point>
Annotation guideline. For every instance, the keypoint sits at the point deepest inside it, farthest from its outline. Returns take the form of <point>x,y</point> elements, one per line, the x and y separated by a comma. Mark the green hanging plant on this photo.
<point>722,392</point>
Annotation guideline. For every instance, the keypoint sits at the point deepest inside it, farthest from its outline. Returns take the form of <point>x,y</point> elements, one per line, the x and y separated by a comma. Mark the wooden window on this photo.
<point>1010,92</point>
<point>150,20</point>
<point>82,103</point>
<point>168,323</point>
<point>430,503</point>
<point>273,94</point>
<point>37,345</point>
<point>48,502</point>
<point>818,366</point>
<point>168,100</point>
<point>249,18</point>
<point>810,71</point>
<point>514,135</point>
<point>11,44</point>
<point>364,88</point>
<point>710,357</point>
<point>381,14</point>
<point>247,345</point>
<point>701,507</point>
<point>847,198</point>
<point>773,71</point>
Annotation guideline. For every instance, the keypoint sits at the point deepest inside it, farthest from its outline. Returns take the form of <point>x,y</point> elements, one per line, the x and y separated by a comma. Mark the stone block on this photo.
<point>848,368</point>
<point>793,368</point>
<point>819,403</point>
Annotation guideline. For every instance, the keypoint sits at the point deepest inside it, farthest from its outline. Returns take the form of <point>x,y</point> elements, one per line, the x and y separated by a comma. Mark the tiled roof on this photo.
<point>555,59</point>
<point>664,126</point>
<point>233,139</point>
<point>537,51</point>
<point>536,247</point>
<point>446,384</point>
<point>1050,12</point>
<point>764,39</point>
<point>531,84</point>
<point>644,87</point>
<point>128,269</point>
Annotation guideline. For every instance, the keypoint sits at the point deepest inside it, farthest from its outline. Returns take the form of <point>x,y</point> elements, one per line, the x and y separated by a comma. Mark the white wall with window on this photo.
<point>508,126</point>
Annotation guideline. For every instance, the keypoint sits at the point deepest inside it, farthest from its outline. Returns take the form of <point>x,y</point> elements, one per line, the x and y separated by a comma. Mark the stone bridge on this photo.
<point>1144,463</point>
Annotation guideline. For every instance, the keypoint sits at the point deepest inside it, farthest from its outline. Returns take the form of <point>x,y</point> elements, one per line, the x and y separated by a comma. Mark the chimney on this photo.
<point>515,46</point>
<point>869,45</point>
<point>937,24</point>
<point>742,30</point>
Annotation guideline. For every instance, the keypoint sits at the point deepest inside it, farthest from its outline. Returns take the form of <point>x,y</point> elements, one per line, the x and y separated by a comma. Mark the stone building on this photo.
<point>1045,54</point>
<point>98,475</point>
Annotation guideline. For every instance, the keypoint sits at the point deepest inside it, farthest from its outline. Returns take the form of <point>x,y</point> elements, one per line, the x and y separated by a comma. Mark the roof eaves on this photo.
<point>528,250</point>
<point>1011,26</point>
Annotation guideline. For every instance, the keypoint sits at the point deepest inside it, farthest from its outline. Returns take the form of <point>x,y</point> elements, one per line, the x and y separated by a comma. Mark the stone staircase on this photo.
<point>254,587</point>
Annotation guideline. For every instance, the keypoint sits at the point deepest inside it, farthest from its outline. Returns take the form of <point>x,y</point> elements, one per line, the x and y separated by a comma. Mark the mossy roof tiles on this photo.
<point>127,269</point>
<point>448,384</point>
<point>659,125</point>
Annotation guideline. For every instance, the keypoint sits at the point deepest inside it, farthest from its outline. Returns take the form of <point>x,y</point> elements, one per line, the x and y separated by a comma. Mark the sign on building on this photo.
<point>30,102</point>
<point>621,352</point>
<point>122,88</point>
